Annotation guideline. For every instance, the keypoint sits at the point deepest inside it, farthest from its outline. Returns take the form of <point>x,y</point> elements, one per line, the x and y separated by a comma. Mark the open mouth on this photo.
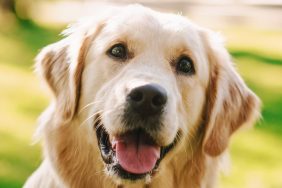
<point>132,155</point>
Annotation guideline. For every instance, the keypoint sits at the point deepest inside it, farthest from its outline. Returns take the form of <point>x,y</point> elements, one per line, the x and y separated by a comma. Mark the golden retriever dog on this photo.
<point>141,99</point>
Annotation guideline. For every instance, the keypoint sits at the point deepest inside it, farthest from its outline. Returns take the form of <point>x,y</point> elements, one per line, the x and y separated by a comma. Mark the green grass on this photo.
<point>256,154</point>
<point>21,100</point>
<point>256,161</point>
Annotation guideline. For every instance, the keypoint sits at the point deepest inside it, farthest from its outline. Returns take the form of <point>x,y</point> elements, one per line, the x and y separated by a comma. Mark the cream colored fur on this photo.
<point>207,107</point>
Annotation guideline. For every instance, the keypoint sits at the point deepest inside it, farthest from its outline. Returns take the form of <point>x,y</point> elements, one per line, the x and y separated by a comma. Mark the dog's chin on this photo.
<point>133,156</point>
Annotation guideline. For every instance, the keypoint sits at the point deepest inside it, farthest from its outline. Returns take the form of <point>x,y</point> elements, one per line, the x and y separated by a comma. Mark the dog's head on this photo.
<point>146,83</point>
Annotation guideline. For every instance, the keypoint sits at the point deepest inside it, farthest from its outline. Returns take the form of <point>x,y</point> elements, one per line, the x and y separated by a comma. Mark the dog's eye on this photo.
<point>118,51</point>
<point>185,65</point>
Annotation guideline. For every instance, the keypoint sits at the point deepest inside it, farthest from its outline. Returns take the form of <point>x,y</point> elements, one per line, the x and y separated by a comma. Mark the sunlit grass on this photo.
<point>256,154</point>
<point>257,41</point>
<point>21,101</point>
<point>255,157</point>
<point>265,75</point>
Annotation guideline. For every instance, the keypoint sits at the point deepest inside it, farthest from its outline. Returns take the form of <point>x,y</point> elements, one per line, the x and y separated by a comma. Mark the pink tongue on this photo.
<point>136,153</point>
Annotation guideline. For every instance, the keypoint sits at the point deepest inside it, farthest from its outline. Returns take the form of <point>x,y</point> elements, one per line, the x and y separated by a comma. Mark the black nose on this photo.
<point>147,100</point>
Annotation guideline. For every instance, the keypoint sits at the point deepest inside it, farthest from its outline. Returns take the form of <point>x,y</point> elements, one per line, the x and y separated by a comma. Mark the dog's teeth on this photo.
<point>148,179</point>
<point>114,143</point>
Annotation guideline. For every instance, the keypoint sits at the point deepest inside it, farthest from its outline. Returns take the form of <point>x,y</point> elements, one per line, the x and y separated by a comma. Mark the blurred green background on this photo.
<point>256,154</point>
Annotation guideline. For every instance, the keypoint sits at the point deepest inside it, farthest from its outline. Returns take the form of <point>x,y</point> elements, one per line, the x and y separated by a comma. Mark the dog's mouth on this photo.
<point>132,155</point>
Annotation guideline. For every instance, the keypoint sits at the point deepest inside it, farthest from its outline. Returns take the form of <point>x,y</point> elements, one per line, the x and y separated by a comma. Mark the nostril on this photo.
<point>159,100</point>
<point>136,96</point>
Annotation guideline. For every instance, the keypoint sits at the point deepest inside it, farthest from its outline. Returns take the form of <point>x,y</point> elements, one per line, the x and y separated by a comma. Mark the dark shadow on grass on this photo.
<point>33,38</point>
<point>10,183</point>
<point>256,56</point>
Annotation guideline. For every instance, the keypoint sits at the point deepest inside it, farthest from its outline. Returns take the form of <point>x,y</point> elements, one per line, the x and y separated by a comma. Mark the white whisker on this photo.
<point>88,105</point>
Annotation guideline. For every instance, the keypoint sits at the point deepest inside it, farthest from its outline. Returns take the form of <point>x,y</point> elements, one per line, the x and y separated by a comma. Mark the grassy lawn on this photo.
<point>21,100</point>
<point>256,154</point>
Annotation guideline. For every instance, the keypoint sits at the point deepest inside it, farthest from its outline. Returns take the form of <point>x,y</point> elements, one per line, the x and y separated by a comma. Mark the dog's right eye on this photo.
<point>118,51</point>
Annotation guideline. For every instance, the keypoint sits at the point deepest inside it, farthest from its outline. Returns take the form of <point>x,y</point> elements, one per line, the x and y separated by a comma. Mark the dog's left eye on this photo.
<point>185,65</point>
<point>118,51</point>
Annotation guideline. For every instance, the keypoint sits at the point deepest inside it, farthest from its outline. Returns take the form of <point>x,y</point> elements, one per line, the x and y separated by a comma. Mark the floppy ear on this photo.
<point>61,65</point>
<point>230,103</point>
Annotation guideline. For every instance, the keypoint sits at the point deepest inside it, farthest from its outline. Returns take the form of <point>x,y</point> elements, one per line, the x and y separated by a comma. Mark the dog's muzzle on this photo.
<point>135,152</point>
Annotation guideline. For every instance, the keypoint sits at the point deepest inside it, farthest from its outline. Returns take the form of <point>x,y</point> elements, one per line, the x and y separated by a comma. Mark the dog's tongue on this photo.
<point>136,152</point>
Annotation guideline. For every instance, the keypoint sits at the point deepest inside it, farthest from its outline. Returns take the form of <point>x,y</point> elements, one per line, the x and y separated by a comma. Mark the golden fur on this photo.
<point>206,108</point>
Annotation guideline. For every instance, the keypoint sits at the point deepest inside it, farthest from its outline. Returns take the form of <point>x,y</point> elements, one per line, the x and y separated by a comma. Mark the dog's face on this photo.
<point>146,74</point>
<point>145,83</point>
